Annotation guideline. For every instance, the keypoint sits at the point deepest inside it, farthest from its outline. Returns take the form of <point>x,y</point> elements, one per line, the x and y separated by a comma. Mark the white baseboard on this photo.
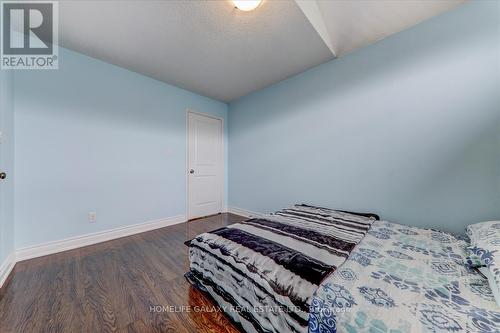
<point>244,212</point>
<point>94,238</point>
<point>6,267</point>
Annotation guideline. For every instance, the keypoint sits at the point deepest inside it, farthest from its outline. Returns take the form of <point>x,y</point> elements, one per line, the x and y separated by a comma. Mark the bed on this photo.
<point>313,269</point>
<point>263,272</point>
<point>401,279</point>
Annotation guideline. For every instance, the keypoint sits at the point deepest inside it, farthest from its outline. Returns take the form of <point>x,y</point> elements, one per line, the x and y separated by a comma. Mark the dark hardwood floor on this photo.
<point>111,287</point>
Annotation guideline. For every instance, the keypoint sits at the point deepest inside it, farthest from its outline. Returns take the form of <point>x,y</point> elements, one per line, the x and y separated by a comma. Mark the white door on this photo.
<point>205,165</point>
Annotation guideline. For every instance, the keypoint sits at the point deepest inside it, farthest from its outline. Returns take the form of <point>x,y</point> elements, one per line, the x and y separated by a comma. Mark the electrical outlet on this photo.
<point>92,217</point>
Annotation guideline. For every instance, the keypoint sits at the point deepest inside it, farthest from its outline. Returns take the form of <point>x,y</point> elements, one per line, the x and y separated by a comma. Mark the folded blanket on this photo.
<point>264,271</point>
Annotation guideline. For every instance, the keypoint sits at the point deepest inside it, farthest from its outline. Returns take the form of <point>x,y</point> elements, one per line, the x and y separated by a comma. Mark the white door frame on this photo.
<point>223,157</point>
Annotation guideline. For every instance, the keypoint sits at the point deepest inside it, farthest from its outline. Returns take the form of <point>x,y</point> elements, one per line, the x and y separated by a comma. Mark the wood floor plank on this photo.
<point>112,287</point>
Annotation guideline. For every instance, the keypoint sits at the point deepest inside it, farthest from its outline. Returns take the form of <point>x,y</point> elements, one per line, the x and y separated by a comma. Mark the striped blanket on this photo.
<point>263,272</point>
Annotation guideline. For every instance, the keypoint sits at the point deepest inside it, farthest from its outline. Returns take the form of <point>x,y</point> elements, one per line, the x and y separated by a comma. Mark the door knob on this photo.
<point>3,175</point>
<point>191,171</point>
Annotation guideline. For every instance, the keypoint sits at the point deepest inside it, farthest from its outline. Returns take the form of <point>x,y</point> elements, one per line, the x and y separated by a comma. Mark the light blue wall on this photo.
<point>95,137</point>
<point>408,127</point>
<point>7,166</point>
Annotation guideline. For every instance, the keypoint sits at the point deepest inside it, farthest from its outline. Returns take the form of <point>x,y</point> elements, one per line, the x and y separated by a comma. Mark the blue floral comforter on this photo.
<point>401,279</point>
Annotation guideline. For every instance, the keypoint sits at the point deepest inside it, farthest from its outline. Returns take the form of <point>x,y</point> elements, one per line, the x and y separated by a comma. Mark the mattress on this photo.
<point>263,272</point>
<point>402,279</point>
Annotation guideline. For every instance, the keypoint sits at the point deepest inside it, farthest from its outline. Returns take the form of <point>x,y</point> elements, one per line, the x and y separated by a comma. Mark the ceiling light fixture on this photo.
<point>247,5</point>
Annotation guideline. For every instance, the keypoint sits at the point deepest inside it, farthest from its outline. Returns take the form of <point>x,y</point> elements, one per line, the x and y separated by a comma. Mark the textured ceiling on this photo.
<point>208,47</point>
<point>211,48</point>
<point>354,24</point>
